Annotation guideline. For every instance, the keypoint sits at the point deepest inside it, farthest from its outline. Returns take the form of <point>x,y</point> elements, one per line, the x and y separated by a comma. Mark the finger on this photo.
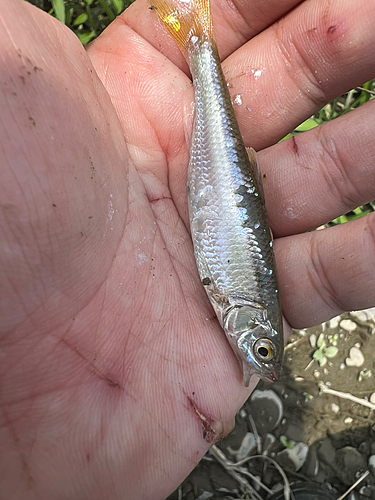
<point>317,52</point>
<point>324,273</point>
<point>317,176</point>
<point>235,22</point>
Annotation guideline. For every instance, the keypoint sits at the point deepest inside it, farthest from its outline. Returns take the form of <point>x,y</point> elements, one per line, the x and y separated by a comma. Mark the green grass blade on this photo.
<point>59,9</point>
<point>118,6</point>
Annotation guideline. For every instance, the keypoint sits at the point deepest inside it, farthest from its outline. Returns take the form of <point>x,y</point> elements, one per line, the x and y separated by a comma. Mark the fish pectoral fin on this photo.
<point>247,372</point>
<point>255,170</point>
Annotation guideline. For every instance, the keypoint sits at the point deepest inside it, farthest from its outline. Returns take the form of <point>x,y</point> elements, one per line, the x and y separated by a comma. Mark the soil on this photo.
<point>316,438</point>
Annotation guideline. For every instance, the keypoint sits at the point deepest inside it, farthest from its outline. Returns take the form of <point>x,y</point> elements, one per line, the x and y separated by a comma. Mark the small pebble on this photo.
<point>299,379</point>
<point>342,366</point>
<point>243,413</point>
<point>348,420</point>
<point>348,325</point>
<point>334,323</point>
<point>268,443</point>
<point>335,408</point>
<point>205,495</point>
<point>355,358</point>
<point>361,316</point>
<point>247,447</point>
<point>312,340</point>
<point>316,374</point>
<point>297,455</point>
<point>371,462</point>
<point>372,398</point>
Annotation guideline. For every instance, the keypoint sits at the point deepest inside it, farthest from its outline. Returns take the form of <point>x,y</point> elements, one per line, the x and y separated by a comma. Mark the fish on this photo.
<point>232,240</point>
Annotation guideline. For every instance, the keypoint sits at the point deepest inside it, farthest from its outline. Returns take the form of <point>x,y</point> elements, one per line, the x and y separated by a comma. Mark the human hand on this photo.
<point>115,376</point>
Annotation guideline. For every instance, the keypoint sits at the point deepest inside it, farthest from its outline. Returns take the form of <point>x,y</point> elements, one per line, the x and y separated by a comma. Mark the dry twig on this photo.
<point>345,395</point>
<point>364,475</point>
<point>287,491</point>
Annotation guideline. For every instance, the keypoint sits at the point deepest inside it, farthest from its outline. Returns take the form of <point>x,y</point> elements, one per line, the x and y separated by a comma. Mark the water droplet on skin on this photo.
<point>238,99</point>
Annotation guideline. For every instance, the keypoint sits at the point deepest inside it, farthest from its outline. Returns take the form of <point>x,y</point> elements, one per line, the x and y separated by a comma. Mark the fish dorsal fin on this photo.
<point>186,20</point>
<point>255,171</point>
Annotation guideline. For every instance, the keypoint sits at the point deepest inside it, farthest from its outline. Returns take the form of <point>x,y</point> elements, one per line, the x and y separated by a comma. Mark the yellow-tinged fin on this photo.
<point>186,20</point>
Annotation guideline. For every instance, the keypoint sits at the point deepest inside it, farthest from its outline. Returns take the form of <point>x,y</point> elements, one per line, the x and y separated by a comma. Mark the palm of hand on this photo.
<point>115,365</point>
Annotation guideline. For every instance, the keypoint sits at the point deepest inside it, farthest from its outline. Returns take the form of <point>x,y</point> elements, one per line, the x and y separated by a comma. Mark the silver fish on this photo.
<point>231,236</point>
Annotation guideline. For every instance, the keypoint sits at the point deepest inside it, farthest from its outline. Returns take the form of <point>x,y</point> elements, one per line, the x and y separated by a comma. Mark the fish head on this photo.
<point>256,343</point>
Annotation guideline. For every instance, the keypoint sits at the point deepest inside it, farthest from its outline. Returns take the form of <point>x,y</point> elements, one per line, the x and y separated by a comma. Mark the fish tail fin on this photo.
<point>186,20</point>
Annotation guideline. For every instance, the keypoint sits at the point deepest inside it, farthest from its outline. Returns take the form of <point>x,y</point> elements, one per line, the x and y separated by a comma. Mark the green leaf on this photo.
<point>82,18</point>
<point>118,5</point>
<point>86,37</point>
<point>318,354</point>
<point>289,444</point>
<point>320,342</point>
<point>331,351</point>
<point>307,125</point>
<point>363,374</point>
<point>59,8</point>
<point>308,396</point>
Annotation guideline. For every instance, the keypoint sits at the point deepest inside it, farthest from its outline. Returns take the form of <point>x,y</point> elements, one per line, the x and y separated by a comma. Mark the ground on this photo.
<point>315,437</point>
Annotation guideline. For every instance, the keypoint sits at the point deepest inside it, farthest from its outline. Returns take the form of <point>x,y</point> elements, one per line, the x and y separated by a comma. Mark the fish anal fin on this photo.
<point>186,20</point>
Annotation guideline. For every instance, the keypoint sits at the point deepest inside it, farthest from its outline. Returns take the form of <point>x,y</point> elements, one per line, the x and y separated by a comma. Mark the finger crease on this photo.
<point>299,61</point>
<point>346,190</point>
<point>320,281</point>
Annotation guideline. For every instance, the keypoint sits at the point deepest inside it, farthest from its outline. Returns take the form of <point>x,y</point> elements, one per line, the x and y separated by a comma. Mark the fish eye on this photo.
<point>264,350</point>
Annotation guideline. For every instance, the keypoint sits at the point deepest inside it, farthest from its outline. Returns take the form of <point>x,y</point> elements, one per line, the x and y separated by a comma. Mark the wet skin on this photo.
<point>115,376</point>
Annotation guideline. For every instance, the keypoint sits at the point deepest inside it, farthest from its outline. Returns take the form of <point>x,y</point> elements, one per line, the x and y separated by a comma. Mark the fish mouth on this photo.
<point>248,371</point>
<point>271,375</point>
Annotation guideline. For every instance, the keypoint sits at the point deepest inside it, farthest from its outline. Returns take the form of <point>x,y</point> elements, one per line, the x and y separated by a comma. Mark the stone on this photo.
<point>355,357</point>
<point>247,447</point>
<point>364,448</point>
<point>295,431</point>
<point>326,451</point>
<point>348,325</point>
<point>311,466</point>
<point>312,340</point>
<point>295,456</point>
<point>267,410</point>
<point>335,408</point>
<point>334,323</point>
<point>205,495</point>
<point>349,462</point>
